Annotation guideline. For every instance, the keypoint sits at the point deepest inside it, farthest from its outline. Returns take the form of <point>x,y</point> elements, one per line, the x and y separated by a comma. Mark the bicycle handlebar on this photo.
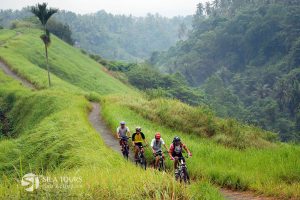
<point>123,137</point>
<point>159,152</point>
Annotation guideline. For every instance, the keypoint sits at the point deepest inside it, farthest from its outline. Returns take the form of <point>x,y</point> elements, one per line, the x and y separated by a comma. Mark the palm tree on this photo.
<point>43,14</point>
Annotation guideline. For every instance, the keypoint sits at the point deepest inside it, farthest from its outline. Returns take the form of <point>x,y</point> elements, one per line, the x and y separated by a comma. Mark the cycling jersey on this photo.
<point>176,150</point>
<point>122,131</point>
<point>138,138</point>
<point>157,145</point>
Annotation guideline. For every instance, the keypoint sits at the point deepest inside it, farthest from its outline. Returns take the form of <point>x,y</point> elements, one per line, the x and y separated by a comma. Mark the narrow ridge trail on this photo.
<point>103,130</point>
<point>237,195</point>
<point>14,75</point>
<point>101,127</point>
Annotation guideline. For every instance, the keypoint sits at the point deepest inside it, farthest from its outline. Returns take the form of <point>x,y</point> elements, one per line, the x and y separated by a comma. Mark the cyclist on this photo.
<point>156,145</point>
<point>176,149</point>
<point>122,131</point>
<point>137,140</point>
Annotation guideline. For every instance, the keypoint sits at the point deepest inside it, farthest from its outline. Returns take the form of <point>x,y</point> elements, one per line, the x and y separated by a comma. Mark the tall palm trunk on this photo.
<point>47,63</point>
<point>47,60</point>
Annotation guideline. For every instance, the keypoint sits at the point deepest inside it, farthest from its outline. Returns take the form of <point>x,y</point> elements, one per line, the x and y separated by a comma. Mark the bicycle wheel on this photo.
<point>162,166</point>
<point>186,177</point>
<point>125,154</point>
<point>144,163</point>
<point>177,175</point>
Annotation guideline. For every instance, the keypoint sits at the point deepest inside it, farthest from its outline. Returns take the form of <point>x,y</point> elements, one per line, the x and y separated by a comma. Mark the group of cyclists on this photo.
<point>138,138</point>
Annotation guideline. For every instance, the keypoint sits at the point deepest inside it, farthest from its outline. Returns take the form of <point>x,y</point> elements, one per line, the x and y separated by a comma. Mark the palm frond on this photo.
<point>42,12</point>
<point>49,13</point>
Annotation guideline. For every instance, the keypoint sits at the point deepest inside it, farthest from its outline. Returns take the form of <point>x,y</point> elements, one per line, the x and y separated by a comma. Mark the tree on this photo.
<point>61,30</point>
<point>43,14</point>
<point>182,32</point>
<point>200,9</point>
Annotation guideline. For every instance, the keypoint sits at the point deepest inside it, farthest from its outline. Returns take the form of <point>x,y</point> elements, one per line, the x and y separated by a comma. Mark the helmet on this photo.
<point>122,123</point>
<point>138,128</point>
<point>157,135</point>
<point>176,139</point>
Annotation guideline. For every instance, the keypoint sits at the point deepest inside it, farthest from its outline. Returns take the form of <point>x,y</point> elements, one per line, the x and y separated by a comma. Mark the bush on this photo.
<point>199,121</point>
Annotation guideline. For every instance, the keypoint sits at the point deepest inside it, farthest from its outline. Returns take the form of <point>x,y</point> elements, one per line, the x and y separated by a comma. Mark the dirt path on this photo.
<point>236,195</point>
<point>101,127</point>
<point>12,74</point>
<point>99,124</point>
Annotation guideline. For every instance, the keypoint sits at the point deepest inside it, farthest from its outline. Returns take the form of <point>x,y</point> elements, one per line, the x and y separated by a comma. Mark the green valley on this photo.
<point>49,133</point>
<point>229,89</point>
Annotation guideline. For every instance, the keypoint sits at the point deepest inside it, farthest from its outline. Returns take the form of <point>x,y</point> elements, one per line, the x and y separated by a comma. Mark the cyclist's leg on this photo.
<point>156,161</point>
<point>136,150</point>
<point>176,162</point>
<point>121,144</point>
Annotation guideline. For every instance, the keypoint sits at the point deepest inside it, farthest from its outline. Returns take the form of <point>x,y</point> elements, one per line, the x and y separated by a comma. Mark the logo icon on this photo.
<point>30,181</point>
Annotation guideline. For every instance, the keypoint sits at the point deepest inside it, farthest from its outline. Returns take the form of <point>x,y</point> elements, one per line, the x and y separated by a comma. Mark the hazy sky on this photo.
<point>167,8</point>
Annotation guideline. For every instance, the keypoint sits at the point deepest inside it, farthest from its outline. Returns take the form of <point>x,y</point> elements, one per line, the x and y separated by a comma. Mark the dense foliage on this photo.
<point>116,36</point>
<point>245,55</point>
<point>144,77</point>
<point>55,138</point>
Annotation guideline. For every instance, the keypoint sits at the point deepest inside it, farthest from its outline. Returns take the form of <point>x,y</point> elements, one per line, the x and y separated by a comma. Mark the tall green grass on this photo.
<point>24,53</point>
<point>199,121</point>
<point>273,170</point>
<point>50,134</point>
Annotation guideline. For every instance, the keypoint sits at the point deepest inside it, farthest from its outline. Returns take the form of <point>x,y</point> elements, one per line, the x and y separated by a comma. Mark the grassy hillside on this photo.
<point>245,56</point>
<point>271,170</point>
<point>75,148</point>
<point>23,51</point>
<point>50,133</point>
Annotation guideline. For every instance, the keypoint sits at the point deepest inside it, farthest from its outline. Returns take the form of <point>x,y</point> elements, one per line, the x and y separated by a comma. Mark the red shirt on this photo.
<point>176,149</point>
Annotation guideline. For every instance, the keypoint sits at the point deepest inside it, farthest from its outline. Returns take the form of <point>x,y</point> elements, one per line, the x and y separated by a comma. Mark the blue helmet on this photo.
<point>176,139</point>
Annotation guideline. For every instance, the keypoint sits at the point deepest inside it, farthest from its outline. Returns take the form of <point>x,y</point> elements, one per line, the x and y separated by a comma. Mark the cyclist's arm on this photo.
<point>118,135</point>
<point>133,138</point>
<point>187,150</point>
<point>163,142</point>
<point>152,145</point>
<point>128,132</point>
<point>166,147</point>
<point>144,138</point>
<point>170,151</point>
<point>145,141</point>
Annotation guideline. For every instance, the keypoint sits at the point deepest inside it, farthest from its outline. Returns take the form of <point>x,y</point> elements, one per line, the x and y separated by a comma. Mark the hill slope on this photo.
<point>245,56</point>
<point>68,145</point>
<point>115,36</point>
<point>49,134</point>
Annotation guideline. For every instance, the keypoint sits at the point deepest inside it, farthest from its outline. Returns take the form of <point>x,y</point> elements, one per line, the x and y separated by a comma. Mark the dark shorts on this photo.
<point>177,155</point>
<point>139,144</point>
<point>121,142</point>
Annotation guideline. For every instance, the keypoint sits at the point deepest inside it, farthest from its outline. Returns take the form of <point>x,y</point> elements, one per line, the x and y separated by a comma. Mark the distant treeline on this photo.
<point>245,55</point>
<point>116,37</point>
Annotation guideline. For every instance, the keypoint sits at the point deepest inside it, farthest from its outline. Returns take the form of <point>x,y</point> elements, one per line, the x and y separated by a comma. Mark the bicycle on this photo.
<point>125,146</point>
<point>161,162</point>
<point>141,157</point>
<point>182,173</point>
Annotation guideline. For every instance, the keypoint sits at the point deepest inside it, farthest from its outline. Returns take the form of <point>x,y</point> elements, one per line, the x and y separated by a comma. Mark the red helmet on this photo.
<point>157,135</point>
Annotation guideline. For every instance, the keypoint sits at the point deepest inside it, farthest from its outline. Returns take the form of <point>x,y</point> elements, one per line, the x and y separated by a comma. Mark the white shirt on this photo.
<point>122,131</point>
<point>157,145</point>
